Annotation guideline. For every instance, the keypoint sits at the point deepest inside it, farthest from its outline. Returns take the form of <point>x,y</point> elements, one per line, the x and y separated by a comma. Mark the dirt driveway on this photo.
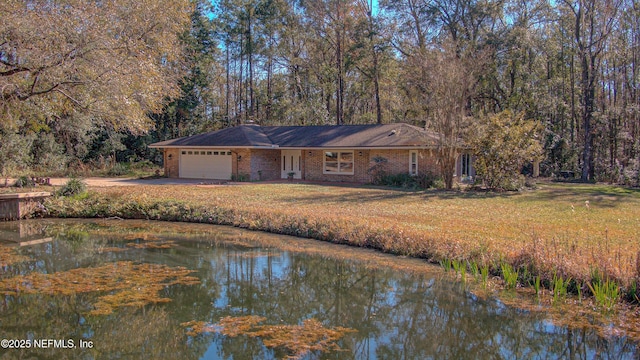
<point>97,181</point>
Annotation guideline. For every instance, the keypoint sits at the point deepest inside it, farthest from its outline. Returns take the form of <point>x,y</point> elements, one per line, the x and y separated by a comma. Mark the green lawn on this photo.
<point>566,229</point>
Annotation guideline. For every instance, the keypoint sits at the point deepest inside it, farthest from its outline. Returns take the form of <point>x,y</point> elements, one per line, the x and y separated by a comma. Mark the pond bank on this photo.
<point>544,236</point>
<point>388,301</point>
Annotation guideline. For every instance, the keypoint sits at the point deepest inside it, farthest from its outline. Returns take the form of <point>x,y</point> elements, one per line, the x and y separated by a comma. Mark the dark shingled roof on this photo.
<point>329,136</point>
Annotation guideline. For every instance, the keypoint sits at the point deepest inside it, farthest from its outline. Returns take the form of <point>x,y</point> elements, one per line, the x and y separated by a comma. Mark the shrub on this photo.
<point>377,171</point>
<point>503,144</point>
<point>425,181</point>
<point>239,177</point>
<point>24,181</point>
<point>73,187</point>
<point>118,169</point>
<point>142,165</point>
<point>406,181</point>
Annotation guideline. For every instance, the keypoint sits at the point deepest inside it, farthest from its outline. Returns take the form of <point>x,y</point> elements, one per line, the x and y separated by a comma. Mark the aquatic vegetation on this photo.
<point>474,269</point>
<point>113,249</point>
<point>296,340</point>
<point>536,284</point>
<point>460,267</point>
<point>152,245</point>
<point>8,256</point>
<point>633,293</point>
<point>559,288</point>
<point>510,276</point>
<point>116,285</point>
<point>484,275</point>
<point>446,264</point>
<point>606,293</point>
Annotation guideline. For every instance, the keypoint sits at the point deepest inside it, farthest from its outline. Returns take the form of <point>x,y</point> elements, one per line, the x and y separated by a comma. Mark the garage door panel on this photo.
<point>205,164</point>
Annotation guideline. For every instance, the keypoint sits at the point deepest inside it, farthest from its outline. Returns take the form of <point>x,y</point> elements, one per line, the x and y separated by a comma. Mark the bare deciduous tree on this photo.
<point>448,85</point>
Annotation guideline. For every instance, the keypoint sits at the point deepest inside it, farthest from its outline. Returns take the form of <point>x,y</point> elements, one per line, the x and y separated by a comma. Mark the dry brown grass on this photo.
<point>572,230</point>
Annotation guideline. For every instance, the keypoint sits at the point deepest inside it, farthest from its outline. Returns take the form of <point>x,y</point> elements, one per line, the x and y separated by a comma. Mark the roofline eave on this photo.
<point>211,147</point>
<point>276,147</point>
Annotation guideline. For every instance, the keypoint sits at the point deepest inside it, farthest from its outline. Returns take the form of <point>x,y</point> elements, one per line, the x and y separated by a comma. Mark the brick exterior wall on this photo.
<point>267,162</point>
<point>398,161</point>
<point>171,163</point>
<point>241,163</point>
<point>428,163</point>
<point>254,160</point>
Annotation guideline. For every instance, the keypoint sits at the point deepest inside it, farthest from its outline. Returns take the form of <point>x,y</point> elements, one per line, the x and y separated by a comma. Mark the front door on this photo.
<point>291,163</point>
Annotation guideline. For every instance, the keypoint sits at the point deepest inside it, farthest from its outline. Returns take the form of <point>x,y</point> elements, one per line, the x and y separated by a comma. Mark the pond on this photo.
<point>141,289</point>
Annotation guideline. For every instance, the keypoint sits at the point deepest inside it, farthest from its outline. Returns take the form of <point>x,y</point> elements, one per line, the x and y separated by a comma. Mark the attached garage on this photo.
<point>205,164</point>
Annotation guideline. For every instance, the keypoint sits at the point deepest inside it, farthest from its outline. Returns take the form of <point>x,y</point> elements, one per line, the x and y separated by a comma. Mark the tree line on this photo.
<point>570,65</point>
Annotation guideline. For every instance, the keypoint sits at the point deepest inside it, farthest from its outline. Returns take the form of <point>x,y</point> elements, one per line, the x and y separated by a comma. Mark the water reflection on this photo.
<point>397,315</point>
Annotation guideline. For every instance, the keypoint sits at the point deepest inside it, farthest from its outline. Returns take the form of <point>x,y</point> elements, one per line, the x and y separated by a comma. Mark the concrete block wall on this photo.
<point>21,205</point>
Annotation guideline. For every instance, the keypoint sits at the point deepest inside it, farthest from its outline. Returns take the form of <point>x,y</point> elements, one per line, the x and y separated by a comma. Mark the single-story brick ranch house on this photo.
<point>318,153</point>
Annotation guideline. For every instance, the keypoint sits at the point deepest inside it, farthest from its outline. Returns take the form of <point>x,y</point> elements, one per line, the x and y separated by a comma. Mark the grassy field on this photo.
<point>581,232</point>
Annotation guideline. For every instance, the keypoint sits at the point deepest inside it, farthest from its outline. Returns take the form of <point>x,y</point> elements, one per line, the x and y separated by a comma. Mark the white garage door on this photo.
<point>205,164</point>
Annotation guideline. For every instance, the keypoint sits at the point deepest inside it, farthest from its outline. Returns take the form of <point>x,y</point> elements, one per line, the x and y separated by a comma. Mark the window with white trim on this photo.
<point>413,162</point>
<point>338,162</point>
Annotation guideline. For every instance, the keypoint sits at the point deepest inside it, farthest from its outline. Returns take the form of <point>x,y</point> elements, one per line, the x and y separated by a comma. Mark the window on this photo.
<point>413,163</point>
<point>465,164</point>
<point>184,153</point>
<point>338,162</point>
<point>215,153</point>
<point>208,152</point>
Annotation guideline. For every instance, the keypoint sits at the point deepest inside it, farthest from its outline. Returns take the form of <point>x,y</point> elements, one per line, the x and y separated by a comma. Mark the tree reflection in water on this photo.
<point>397,315</point>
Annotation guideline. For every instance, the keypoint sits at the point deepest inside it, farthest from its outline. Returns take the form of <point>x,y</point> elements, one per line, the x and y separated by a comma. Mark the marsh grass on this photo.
<point>474,269</point>
<point>460,267</point>
<point>606,293</point>
<point>484,275</point>
<point>579,287</point>
<point>536,285</point>
<point>446,264</point>
<point>509,275</point>
<point>559,288</point>
<point>633,295</point>
<point>547,231</point>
